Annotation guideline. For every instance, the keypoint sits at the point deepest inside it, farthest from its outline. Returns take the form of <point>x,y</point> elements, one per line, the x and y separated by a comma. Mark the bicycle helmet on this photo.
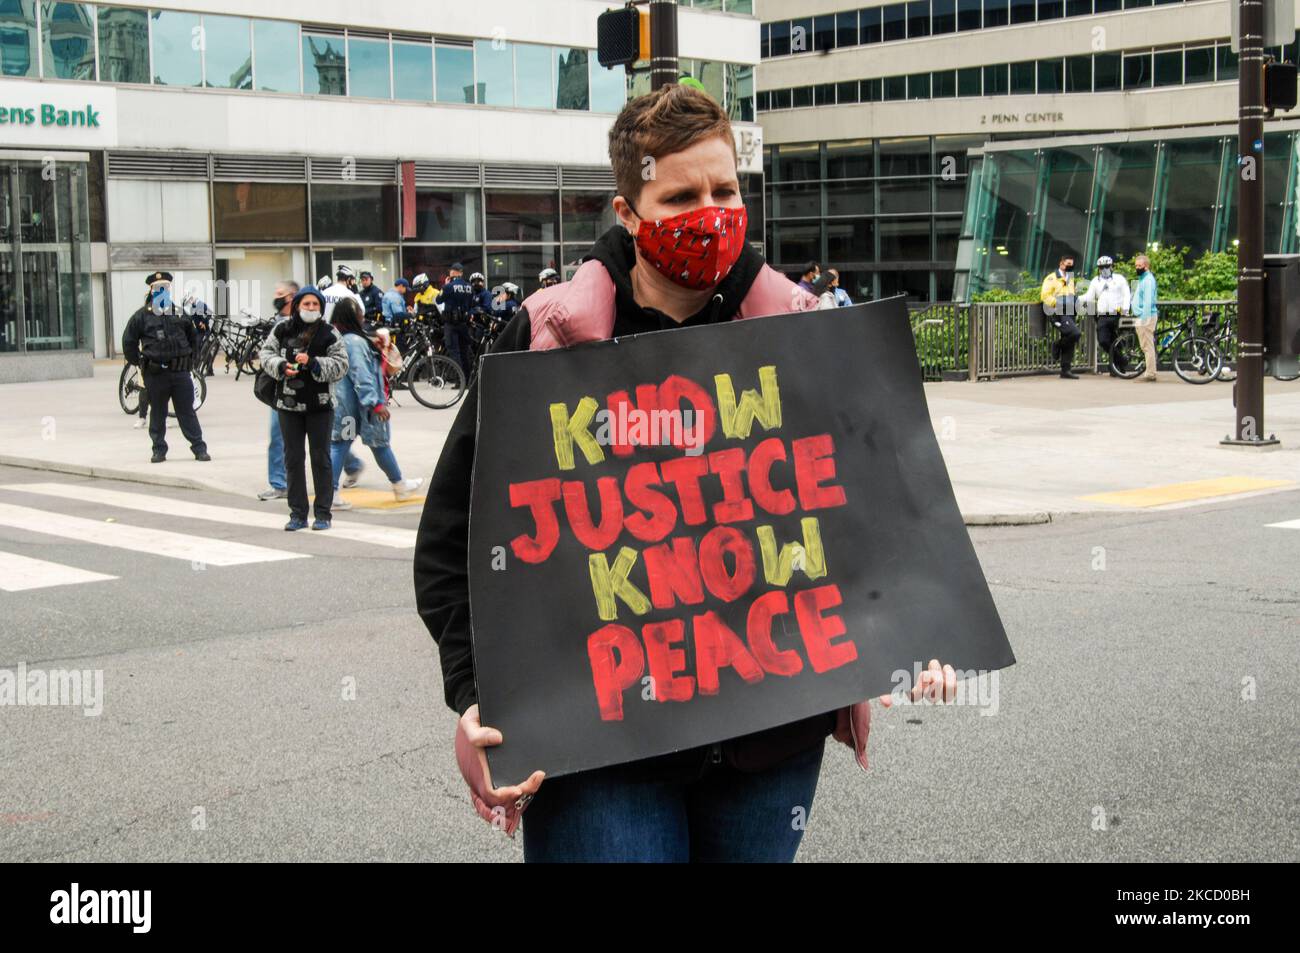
<point>548,277</point>
<point>323,282</point>
<point>511,289</point>
<point>477,276</point>
<point>420,282</point>
<point>345,272</point>
<point>1105,261</point>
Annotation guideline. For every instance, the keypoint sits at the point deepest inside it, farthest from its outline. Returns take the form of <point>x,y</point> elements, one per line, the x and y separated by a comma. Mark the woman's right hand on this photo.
<point>500,807</point>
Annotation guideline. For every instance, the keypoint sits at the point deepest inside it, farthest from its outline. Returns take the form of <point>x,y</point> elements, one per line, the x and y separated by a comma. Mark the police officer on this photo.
<point>548,277</point>
<point>161,341</point>
<point>1107,296</point>
<point>372,298</point>
<point>459,300</point>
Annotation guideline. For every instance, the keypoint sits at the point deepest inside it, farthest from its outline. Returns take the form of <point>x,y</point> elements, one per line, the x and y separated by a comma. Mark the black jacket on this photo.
<point>442,545</point>
<point>179,341</point>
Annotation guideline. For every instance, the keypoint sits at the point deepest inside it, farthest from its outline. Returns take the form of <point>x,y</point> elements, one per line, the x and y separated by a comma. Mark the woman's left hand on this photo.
<point>938,683</point>
<point>381,412</point>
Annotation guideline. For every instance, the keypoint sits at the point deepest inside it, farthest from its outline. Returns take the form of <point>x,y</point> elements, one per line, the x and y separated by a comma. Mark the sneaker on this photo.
<point>1148,377</point>
<point>158,458</point>
<point>406,489</point>
<point>271,493</point>
<point>295,524</point>
<point>320,524</point>
<point>203,457</point>
<point>340,504</point>
<point>350,479</point>
<point>139,423</point>
<point>1069,376</point>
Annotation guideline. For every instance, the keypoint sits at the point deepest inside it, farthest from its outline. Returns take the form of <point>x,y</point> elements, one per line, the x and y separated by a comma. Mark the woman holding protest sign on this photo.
<point>678,258</point>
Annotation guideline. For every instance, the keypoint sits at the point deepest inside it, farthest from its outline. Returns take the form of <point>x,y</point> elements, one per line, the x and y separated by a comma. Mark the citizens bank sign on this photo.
<point>57,115</point>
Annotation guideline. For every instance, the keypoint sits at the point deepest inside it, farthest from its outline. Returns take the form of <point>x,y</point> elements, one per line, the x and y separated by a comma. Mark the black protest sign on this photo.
<point>686,536</point>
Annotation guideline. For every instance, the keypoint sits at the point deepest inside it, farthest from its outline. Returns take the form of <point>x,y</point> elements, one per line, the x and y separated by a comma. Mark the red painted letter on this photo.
<point>717,542</point>
<point>663,514</point>
<point>666,662</point>
<point>818,630</point>
<point>814,464</point>
<point>765,454</point>
<point>540,497</point>
<point>674,574</point>
<point>612,676</point>
<point>759,628</point>
<point>716,646</point>
<point>596,538</point>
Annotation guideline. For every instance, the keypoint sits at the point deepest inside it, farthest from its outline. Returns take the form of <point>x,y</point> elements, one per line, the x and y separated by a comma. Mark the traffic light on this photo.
<point>1280,86</point>
<point>622,36</point>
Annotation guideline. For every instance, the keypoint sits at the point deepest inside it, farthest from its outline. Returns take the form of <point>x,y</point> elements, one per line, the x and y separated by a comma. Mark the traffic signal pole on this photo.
<point>1249,396</point>
<point>663,43</point>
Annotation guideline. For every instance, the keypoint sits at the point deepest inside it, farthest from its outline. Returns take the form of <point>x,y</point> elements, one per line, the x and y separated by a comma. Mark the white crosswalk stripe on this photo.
<point>1289,524</point>
<point>19,573</point>
<point>140,539</point>
<point>392,537</point>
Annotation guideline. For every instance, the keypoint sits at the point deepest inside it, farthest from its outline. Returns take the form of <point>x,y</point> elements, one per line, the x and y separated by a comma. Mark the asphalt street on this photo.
<point>269,696</point>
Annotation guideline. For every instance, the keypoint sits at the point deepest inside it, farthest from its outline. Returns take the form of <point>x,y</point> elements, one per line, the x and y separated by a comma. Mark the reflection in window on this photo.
<point>176,42</point>
<point>69,37</point>
<point>18,38</point>
<point>571,79</point>
<point>259,211</point>
<point>533,76</point>
<point>494,69</point>
<point>413,71</point>
<point>455,73</point>
<point>1198,65</point>
<point>520,264</point>
<point>123,45</point>
<point>447,215</point>
<point>368,69</point>
<point>227,53</point>
<point>324,65</point>
<point>609,89</point>
<point>275,56</point>
<point>522,216</point>
<point>740,90</point>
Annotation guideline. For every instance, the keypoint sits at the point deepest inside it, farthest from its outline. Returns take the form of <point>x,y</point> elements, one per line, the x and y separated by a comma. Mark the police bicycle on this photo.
<point>131,390</point>
<point>428,372</point>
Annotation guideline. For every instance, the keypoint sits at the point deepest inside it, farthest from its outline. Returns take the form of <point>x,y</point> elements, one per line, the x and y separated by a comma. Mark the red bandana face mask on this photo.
<point>696,249</point>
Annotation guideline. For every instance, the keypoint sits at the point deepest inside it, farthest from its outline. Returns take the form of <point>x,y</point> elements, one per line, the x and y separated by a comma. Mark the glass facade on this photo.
<point>1027,207</point>
<point>884,212</point>
<point>87,41</point>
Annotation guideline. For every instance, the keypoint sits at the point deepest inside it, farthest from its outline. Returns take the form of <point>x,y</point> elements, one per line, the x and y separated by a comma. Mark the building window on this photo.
<point>586,216</point>
<point>764,101</point>
<point>1137,70</point>
<point>259,212</point>
<point>850,240</point>
<point>846,28</point>
<point>18,40</point>
<point>275,57</point>
<point>1078,74</point>
<point>324,65</point>
<point>1022,11</point>
<point>1226,63</point>
<point>447,215</point>
<point>571,79</point>
<point>918,86</point>
<point>227,53</point>
<point>969,14</point>
<point>872,90</point>
<point>996,82</point>
<point>801,35</point>
<point>1169,68</point>
<point>1107,6</point>
<point>354,213</point>
<point>850,198</point>
<point>905,239</point>
<point>1050,9</point>
<point>798,163</point>
<point>824,94</point>
<point>846,92</point>
<point>1198,65</point>
<point>1106,72</point>
<point>523,216</point>
<point>803,97</point>
<point>1022,78</point>
<point>869,25</point>
<point>533,81</point>
<point>943,16</point>
<point>918,19</point>
<point>369,71</point>
<point>780,38</point>
<point>1051,76</point>
<point>123,45</point>
<point>895,87</point>
<point>413,71</point>
<point>609,90</point>
<point>454,73</point>
<point>1078,8</point>
<point>995,13</point>
<point>850,159</point>
<point>824,33</point>
<point>968,81</point>
<point>895,21</point>
<point>765,41</point>
<point>909,156</point>
<point>69,40</point>
<point>945,84</point>
<point>781,98</point>
<point>494,73</point>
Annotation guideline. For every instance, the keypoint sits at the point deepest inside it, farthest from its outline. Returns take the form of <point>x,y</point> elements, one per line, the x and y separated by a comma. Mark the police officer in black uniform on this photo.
<point>160,339</point>
<point>459,300</point>
<point>372,297</point>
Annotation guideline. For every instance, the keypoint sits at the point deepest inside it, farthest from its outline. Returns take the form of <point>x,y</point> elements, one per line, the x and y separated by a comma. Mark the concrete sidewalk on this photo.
<point>1020,450</point>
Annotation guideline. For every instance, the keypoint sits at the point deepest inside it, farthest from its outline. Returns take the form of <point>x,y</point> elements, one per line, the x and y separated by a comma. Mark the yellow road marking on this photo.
<point>1183,492</point>
<point>364,499</point>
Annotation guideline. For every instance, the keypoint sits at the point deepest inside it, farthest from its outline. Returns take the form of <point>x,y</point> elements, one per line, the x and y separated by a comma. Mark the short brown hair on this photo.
<point>670,119</point>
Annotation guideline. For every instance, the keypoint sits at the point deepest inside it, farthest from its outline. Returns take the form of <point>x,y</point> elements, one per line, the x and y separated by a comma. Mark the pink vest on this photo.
<point>583,309</point>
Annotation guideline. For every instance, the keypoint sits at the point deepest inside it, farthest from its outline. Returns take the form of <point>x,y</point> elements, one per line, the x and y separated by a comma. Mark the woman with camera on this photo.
<point>306,356</point>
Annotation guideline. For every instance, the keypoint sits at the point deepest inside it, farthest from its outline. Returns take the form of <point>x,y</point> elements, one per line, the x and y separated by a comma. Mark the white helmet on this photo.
<point>546,274</point>
<point>477,276</point>
<point>510,288</point>
<point>420,281</point>
<point>323,282</point>
<point>1105,261</point>
<point>344,272</point>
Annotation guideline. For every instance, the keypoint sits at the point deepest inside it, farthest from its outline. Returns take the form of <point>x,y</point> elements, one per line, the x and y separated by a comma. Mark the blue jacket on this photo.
<point>842,299</point>
<point>357,393</point>
<point>459,299</point>
<point>393,306</point>
<point>1144,297</point>
<point>482,301</point>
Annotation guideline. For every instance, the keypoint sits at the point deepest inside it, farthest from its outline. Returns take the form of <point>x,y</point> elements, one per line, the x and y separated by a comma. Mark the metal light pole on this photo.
<point>1249,397</point>
<point>663,43</point>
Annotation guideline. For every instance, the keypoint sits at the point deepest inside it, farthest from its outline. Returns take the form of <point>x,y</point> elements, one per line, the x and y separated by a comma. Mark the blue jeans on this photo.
<point>342,456</point>
<point>717,814</point>
<point>275,455</point>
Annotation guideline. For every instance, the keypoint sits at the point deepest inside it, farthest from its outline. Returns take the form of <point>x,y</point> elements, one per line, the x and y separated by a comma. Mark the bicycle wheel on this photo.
<point>1126,353</point>
<point>130,389</point>
<point>1197,361</point>
<point>436,381</point>
<point>200,390</point>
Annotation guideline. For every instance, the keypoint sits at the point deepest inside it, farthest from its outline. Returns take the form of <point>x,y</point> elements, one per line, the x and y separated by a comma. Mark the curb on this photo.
<point>1008,519</point>
<point>111,473</point>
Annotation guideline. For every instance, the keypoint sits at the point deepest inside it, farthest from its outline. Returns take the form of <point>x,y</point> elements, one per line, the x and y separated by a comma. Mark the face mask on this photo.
<point>162,299</point>
<point>279,303</point>
<point>695,249</point>
<point>1141,270</point>
<point>1107,272</point>
<point>309,317</point>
